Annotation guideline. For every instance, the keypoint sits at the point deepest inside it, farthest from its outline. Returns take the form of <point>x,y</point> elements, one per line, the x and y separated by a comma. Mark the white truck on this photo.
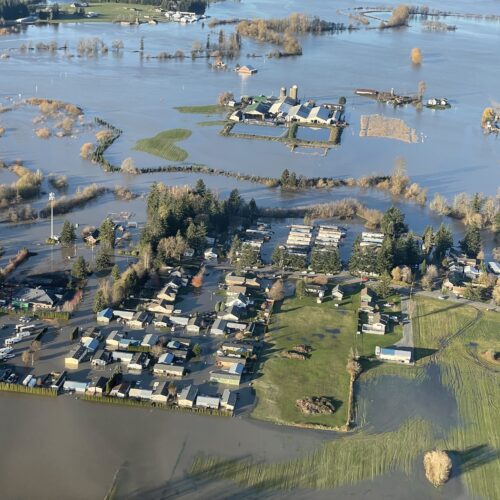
<point>12,340</point>
<point>27,380</point>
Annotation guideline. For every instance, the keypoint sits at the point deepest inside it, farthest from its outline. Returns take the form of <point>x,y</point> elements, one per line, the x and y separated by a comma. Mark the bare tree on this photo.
<point>277,291</point>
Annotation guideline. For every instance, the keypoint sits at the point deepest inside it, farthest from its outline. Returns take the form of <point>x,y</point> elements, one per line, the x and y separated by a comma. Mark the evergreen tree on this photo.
<point>79,270</point>
<point>443,241</point>
<point>102,261</point>
<point>383,286</point>
<point>278,257</point>
<point>200,188</point>
<point>249,257</point>
<point>196,236</point>
<point>327,262</point>
<point>252,210</point>
<point>428,240</point>
<point>100,302</point>
<point>68,235</point>
<point>107,234</point>
<point>471,244</point>
<point>115,272</point>
<point>393,223</point>
<point>234,202</point>
<point>385,256</point>
<point>412,250</point>
<point>235,249</point>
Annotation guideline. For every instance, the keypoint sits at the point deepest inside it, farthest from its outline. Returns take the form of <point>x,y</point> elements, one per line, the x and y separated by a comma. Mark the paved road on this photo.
<point>407,340</point>
<point>450,298</point>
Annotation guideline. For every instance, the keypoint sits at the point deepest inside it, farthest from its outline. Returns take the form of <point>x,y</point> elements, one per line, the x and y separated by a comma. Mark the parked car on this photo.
<point>12,378</point>
<point>6,374</point>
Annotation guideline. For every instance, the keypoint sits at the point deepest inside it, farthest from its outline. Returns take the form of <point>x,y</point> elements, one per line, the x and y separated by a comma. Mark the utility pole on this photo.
<point>52,197</point>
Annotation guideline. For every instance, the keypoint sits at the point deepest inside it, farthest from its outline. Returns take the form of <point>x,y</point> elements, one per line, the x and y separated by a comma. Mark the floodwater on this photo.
<point>386,402</point>
<point>83,446</point>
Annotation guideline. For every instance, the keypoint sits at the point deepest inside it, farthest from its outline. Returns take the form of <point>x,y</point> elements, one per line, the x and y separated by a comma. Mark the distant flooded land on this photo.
<point>249,248</point>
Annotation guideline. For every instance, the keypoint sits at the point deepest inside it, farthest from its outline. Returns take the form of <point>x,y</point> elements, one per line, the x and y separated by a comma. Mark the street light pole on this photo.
<point>52,197</point>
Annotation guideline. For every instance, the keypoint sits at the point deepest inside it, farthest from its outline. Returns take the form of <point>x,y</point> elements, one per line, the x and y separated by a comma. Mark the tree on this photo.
<point>300,289</point>
<point>353,366</point>
<point>26,357</point>
<point>383,287</point>
<point>196,236</point>
<point>197,280</point>
<point>326,261</point>
<point>443,241</point>
<point>235,249</point>
<point>416,56</point>
<point>278,257</point>
<point>172,391</point>
<point>430,275</point>
<point>79,269</point>
<point>488,116</point>
<point>496,294</point>
<point>393,223</point>
<point>385,256</point>
<point>473,293</point>
<point>471,244</point>
<point>200,187</point>
<point>428,240</point>
<point>115,272</point>
<point>396,274</point>
<point>277,291</point>
<point>68,234</point>
<point>252,210</point>
<point>102,261</point>
<point>249,256</point>
<point>197,350</point>
<point>107,234</point>
<point>100,301</point>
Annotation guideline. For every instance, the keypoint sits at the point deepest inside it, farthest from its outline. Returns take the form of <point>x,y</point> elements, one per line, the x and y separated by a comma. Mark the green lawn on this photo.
<point>331,332</point>
<point>163,144</point>
<point>211,109</point>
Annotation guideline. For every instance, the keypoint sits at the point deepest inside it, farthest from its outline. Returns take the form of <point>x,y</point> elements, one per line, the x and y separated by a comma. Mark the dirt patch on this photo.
<point>315,405</point>
<point>389,128</point>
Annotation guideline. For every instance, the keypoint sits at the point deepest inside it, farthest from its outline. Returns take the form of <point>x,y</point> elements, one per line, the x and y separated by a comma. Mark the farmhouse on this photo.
<point>247,69</point>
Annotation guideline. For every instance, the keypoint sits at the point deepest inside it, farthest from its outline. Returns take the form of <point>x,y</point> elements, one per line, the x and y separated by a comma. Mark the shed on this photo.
<point>393,354</point>
<point>101,358</point>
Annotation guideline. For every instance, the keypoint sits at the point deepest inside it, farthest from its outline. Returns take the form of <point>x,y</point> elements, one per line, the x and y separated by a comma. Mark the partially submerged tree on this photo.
<point>437,464</point>
<point>277,291</point>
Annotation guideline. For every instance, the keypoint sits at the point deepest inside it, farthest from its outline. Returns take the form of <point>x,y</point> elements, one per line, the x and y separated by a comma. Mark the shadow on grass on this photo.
<point>439,311</point>
<point>473,457</point>
<point>421,353</point>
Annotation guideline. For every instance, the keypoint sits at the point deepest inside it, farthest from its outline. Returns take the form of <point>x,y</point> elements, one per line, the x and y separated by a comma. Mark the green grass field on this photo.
<point>331,332</point>
<point>164,144</point>
<point>461,333</point>
<point>454,336</point>
<point>211,109</point>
